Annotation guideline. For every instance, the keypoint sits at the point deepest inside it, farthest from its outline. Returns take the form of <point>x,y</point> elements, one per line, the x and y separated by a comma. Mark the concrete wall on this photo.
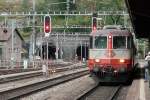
<point>7,48</point>
<point>17,48</point>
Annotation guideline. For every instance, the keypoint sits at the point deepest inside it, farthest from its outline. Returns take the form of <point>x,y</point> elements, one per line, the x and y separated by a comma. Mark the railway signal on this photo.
<point>94,22</point>
<point>47,25</point>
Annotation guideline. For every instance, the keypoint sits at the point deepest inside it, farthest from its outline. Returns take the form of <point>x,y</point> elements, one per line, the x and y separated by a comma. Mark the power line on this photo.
<point>64,13</point>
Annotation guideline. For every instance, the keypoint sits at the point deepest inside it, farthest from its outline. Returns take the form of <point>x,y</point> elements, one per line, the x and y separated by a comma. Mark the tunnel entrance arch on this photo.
<point>42,51</point>
<point>82,51</point>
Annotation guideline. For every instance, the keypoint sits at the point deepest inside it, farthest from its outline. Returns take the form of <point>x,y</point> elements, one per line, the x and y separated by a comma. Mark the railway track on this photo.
<point>4,71</point>
<point>19,76</point>
<point>19,91</point>
<point>115,93</point>
<point>100,93</point>
<point>17,70</point>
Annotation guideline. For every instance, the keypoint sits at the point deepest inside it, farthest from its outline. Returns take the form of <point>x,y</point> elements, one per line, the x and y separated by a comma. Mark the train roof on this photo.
<point>114,32</point>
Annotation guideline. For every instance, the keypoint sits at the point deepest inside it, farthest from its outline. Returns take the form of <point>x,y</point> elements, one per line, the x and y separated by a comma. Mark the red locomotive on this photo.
<point>111,54</point>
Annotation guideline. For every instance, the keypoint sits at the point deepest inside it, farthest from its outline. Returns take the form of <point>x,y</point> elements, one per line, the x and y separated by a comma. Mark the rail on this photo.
<point>96,93</point>
<point>7,64</point>
<point>23,75</point>
<point>41,84</point>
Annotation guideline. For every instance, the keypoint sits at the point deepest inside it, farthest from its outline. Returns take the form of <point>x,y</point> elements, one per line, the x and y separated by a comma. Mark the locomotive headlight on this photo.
<point>97,60</point>
<point>122,60</point>
<point>115,71</point>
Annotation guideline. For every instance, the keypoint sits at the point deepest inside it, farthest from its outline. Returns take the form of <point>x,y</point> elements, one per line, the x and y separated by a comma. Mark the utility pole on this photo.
<point>61,52</point>
<point>125,19</point>
<point>34,41</point>
<point>85,51</point>
<point>67,7</point>
<point>66,26</point>
<point>47,51</point>
<point>12,45</point>
<point>57,47</point>
<point>32,37</point>
<point>81,50</point>
<point>41,47</point>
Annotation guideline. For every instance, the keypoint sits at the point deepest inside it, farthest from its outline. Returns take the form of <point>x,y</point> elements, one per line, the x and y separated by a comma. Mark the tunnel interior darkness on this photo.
<point>51,52</point>
<point>82,51</point>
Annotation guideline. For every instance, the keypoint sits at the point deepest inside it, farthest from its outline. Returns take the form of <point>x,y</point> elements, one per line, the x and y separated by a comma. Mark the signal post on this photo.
<point>47,31</point>
<point>94,26</point>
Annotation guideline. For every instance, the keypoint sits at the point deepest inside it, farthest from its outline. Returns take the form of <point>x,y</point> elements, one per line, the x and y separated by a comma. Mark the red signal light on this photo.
<point>47,24</point>
<point>94,27</point>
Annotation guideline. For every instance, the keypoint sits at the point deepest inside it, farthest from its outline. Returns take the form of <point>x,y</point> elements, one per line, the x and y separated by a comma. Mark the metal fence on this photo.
<point>5,64</point>
<point>8,64</point>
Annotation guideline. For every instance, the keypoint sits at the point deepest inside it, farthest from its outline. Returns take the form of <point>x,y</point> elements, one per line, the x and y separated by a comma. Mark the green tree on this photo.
<point>25,5</point>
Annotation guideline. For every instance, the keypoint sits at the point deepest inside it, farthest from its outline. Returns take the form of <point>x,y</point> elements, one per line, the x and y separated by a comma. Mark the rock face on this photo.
<point>69,53</point>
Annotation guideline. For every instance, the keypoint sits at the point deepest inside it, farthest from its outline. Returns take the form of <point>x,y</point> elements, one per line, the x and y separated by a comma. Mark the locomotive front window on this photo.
<point>100,42</point>
<point>129,42</point>
<point>119,42</point>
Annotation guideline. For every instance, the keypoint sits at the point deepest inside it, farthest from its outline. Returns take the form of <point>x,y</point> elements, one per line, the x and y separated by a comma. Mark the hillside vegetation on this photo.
<point>61,5</point>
